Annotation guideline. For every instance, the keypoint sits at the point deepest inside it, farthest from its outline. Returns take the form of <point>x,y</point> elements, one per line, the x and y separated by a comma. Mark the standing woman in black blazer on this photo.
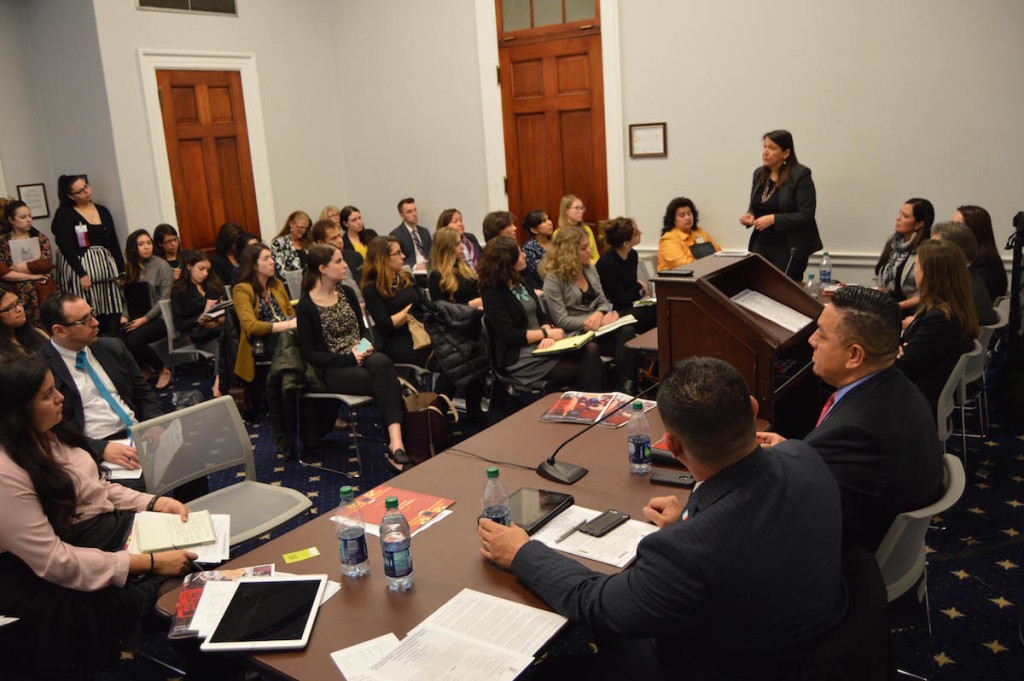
<point>945,324</point>
<point>330,330</point>
<point>89,260</point>
<point>195,292</point>
<point>518,326</point>
<point>782,204</point>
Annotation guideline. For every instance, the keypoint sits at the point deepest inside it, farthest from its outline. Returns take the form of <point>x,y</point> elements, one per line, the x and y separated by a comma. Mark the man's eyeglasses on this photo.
<point>17,304</point>
<point>84,321</point>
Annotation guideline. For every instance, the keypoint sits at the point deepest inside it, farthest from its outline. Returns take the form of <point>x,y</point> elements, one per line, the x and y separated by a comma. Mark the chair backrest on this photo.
<point>192,443</point>
<point>947,401</point>
<point>973,370</point>
<point>168,317</point>
<point>293,280</point>
<point>1002,308</point>
<point>649,270</point>
<point>901,555</point>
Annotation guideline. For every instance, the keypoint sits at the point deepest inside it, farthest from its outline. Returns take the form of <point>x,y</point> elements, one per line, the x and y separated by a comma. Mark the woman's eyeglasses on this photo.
<point>13,306</point>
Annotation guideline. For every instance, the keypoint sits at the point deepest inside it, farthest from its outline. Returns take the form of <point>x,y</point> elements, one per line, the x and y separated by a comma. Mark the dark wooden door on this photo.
<point>552,96</point>
<point>208,151</point>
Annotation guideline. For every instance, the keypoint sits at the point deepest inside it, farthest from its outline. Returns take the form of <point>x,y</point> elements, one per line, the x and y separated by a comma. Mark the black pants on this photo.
<point>375,378</point>
<point>138,343</point>
<point>614,345</point>
<point>582,369</point>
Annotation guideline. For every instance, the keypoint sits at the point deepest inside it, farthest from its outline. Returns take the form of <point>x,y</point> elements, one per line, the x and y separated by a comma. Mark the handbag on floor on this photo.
<point>427,427</point>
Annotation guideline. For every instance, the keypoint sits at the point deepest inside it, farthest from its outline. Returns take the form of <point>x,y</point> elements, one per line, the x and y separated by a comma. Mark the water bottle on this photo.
<point>812,287</point>
<point>638,435</point>
<point>495,498</point>
<point>351,535</point>
<point>825,274</point>
<point>395,541</point>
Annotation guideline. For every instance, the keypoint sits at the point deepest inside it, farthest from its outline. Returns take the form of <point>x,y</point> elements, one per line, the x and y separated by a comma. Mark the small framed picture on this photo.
<point>648,140</point>
<point>34,196</point>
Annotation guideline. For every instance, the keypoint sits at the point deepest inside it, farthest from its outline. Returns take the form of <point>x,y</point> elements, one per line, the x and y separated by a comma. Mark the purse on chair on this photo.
<point>420,337</point>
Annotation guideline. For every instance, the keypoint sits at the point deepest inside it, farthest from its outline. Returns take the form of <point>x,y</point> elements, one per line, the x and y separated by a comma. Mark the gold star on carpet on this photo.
<point>977,511</point>
<point>970,541</point>
<point>265,537</point>
<point>1010,532</point>
<point>995,646</point>
<point>127,655</point>
<point>314,511</point>
<point>952,613</point>
<point>280,456</point>
<point>990,443</point>
<point>960,574</point>
<point>240,474</point>
<point>312,494</point>
<point>1001,602</point>
<point>1020,437</point>
<point>1015,503</point>
<point>314,478</point>
<point>1020,457</point>
<point>982,485</point>
<point>928,549</point>
<point>279,469</point>
<point>942,659</point>
<point>1006,564</point>
<point>1017,478</point>
<point>276,483</point>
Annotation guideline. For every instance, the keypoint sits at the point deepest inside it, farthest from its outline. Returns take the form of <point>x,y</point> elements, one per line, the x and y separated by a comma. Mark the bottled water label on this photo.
<point>639,449</point>
<point>352,544</point>
<point>498,514</point>
<point>397,559</point>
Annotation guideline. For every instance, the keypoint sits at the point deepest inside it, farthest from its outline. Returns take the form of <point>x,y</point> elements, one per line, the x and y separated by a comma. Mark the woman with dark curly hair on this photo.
<point>681,237</point>
<point>18,338</point>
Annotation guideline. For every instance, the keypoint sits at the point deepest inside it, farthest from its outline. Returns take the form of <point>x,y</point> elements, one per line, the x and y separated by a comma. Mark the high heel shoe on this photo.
<point>397,460</point>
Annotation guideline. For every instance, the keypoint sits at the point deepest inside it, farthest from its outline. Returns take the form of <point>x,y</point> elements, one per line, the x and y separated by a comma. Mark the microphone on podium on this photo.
<point>568,473</point>
<point>792,254</point>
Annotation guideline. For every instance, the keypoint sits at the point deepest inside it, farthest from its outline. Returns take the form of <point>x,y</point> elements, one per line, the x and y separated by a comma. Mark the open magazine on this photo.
<point>587,408</point>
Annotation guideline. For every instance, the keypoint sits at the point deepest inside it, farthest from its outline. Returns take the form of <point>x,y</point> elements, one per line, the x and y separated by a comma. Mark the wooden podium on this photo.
<point>696,317</point>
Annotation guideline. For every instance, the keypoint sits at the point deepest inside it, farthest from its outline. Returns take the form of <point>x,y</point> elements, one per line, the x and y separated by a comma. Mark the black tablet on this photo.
<point>532,508</point>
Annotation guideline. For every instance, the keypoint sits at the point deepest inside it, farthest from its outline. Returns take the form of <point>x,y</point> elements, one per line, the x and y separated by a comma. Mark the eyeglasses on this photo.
<point>398,252</point>
<point>80,191</point>
<point>13,306</point>
<point>84,321</point>
<point>579,208</point>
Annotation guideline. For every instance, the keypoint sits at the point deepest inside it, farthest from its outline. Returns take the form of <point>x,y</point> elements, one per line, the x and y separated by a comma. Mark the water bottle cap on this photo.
<point>810,276</point>
<point>391,502</point>
<point>826,254</point>
<point>638,405</point>
<point>492,471</point>
<point>347,493</point>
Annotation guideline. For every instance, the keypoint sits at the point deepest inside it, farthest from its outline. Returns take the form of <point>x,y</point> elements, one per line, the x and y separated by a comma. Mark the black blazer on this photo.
<point>992,272</point>
<point>408,247</point>
<point>880,443</point>
<point>396,342</point>
<point>124,373</point>
<point>506,322</point>
<point>932,345</point>
<point>188,305</point>
<point>313,343</point>
<point>103,234</point>
<point>795,216</point>
<point>466,290</point>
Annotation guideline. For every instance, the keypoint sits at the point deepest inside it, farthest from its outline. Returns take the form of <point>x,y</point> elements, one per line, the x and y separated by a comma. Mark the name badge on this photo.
<point>699,240</point>
<point>82,234</point>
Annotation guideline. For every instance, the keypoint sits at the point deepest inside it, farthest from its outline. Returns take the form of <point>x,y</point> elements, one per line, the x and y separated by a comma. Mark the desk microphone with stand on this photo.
<point>568,473</point>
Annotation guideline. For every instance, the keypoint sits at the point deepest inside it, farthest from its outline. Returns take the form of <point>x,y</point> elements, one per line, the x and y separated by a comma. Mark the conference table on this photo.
<point>446,556</point>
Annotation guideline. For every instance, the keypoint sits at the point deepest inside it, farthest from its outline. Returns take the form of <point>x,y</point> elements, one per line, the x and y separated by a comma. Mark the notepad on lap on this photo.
<point>164,531</point>
<point>622,321</point>
<point>568,343</point>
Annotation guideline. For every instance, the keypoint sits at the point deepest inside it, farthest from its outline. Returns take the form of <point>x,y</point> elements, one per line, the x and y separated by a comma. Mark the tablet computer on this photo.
<point>532,508</point>
<point>269,613</point>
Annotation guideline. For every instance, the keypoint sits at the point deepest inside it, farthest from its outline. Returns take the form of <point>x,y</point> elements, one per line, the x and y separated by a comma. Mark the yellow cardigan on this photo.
<point>250,325</point>
<point>674,247</point>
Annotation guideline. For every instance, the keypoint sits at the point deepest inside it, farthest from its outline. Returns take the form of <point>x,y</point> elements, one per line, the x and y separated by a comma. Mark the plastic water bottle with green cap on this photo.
<point>396,543</point>
<point>495,498</point>
<point>355,562</point>
<point>638,435</point>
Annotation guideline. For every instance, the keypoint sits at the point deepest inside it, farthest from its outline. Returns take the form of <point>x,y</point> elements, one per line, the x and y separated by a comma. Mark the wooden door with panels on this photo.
<point>552,95</point>
<point>208,151</point>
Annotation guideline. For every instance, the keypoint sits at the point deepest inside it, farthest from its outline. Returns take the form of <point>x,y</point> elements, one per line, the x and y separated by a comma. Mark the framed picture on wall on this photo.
<point>648,140</point>
<point>34,196</point>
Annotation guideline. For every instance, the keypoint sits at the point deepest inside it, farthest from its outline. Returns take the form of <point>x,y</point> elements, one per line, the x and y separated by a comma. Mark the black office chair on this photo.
<point>509,384</point>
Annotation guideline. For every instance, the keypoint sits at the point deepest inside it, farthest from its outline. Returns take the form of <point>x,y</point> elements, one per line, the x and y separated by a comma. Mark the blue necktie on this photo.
<point>82,363</point>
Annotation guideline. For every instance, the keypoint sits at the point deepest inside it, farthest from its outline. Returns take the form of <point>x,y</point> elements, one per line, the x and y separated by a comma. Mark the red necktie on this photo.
<point>824,410</point>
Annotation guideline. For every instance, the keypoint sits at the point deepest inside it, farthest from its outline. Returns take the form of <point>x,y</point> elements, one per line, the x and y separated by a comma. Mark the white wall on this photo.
<point>23,148</point>
<point>409,88</point>
<point>885,100</point>
<point>292,42</point>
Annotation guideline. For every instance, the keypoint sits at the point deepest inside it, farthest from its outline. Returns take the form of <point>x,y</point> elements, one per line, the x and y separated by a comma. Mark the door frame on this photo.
<point>490,100</point>
<point>151,60</point>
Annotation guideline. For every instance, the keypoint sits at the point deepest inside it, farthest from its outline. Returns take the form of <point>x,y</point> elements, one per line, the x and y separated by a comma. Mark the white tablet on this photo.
<point>269,613</point>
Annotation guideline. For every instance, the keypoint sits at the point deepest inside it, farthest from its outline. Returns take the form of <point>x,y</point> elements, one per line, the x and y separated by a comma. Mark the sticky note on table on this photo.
<point>296,556</point>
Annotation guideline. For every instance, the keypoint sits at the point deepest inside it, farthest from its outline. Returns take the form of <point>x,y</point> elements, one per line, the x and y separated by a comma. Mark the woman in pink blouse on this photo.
<point>64,571</point>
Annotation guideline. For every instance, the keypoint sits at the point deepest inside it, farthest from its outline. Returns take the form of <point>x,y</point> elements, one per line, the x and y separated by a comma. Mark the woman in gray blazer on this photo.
<point>576,301</point>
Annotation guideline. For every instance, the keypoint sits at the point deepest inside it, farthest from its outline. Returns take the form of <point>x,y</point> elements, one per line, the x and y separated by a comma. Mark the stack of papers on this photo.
<point>165,531</point>
<point>617,548</point>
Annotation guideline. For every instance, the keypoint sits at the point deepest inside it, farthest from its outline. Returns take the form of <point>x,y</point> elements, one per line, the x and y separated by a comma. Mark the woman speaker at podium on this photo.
<point>781,211</point>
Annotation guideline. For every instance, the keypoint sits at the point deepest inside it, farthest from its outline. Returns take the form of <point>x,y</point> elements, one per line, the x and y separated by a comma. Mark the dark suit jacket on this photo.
<point>982,303</point>
<point>746,583</point>
<point>880,443</point>
<point>932,345</point>
<point>124,373</point>
<point>408,247</point>
<point>795,217</point>
<point>506,320</point>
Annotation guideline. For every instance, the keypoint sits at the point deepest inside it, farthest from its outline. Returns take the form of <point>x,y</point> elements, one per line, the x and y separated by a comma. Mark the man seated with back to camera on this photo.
<point>739,582</point>
<point>876,433</point>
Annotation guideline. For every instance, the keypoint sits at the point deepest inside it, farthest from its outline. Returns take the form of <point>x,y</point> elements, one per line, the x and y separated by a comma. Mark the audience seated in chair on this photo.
<point>196,291</point>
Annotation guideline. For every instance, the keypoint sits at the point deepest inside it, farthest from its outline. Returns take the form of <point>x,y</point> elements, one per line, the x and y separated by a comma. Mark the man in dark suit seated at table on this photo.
<point>739,582</point>
<point>414,240</point>
<point>876,433</point>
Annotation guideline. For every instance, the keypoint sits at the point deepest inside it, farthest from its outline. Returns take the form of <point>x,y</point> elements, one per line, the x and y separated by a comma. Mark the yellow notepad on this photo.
<point>568,343</point>
<point>165,531</point>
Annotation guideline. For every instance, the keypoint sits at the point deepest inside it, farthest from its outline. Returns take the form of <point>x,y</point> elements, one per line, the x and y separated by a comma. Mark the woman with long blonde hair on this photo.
<point>451,277</point>
<point>570,212</point>
<point>576,301</point>
<point>945,323</point>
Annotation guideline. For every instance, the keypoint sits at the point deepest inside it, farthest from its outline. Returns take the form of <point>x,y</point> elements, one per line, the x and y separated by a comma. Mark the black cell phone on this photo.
<point>604,523</point>
<point>672,478</point>
<point>677,272</point>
